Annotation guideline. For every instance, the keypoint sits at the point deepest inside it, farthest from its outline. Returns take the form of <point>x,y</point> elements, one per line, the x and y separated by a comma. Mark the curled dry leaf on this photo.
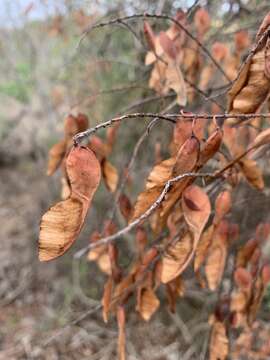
<point>110,175</point>
<point>61,224</point>
<point>148,304</point>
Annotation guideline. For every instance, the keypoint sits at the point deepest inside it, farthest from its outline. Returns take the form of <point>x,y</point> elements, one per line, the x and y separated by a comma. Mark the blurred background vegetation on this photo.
<point>46,74</point>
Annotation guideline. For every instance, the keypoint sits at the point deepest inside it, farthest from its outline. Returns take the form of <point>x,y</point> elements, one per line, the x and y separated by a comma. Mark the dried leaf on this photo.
<point>110,175</point>
<point>176,82</point>
<point>196,218</point>
<point>242,278</point>
<point>203,246</point>
<point>217,255</point>
<point>106,299</point>
<point>252,87</point>
<point>219,51</point>
<point>262,139</point>
<point>61,224</point>
<point>223,205</point>
<point>125,206</point>
<point>177,258</point>
<point>148,304</point>
<point>141,239</point>
<point>149,35</point>
<point>245,253</point>
<point>211,147</point>
<point>56,155</point>
<point>121,321</point>
<point>241,40</point>
<point>252,173</point>
<point>167,45</point>
<point>219,343</point>
<point>202,21</point>
<point>174,289</point>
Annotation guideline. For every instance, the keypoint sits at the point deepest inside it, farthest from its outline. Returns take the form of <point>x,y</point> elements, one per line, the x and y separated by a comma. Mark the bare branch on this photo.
<point>168,117</point>
<point>161,17</point>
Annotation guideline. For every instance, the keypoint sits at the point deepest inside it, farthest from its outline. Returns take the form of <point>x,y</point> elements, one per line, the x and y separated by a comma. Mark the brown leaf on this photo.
<point>203,246</point>
<point>141,239</point>
<point>242,278</point>
<point>176,82</point>
<point>174,289</point>
<point>202,21</point>
<point>70,126</point>
<point>61,224</point>
<point>110,175</point>
<point>196,218</point>
<point>262,139</point>
<point>256,299</point>
<point>252,87</point>
<point>183,130</point>
<point>167,45</point>
<point>148,304</point>
<point>121,321</point>
<point>217,255</point>
<point>82,122</point>
<point>99,147</point>
<point>211,147</point>
<point>56,155</point>
<point>184,162</point>
<point>252,173</point>
<point>106,299</point>
<point>219,51</point>
<point>177,258</point>
<point>149,35</point>
<point>219,343</point>
<point>241,40</point>
<point>206,76</point>
<point>223,205</point>
<point>245,253</point>
<point>125,206</point>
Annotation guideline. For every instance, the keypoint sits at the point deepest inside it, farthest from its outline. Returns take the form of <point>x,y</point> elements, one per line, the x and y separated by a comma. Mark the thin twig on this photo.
<point>168,117</point>
<point>155,16</point>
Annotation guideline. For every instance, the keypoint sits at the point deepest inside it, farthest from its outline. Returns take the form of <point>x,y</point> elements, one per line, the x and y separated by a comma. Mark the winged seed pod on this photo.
<point>62,223</point>
<point>252,87</point>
